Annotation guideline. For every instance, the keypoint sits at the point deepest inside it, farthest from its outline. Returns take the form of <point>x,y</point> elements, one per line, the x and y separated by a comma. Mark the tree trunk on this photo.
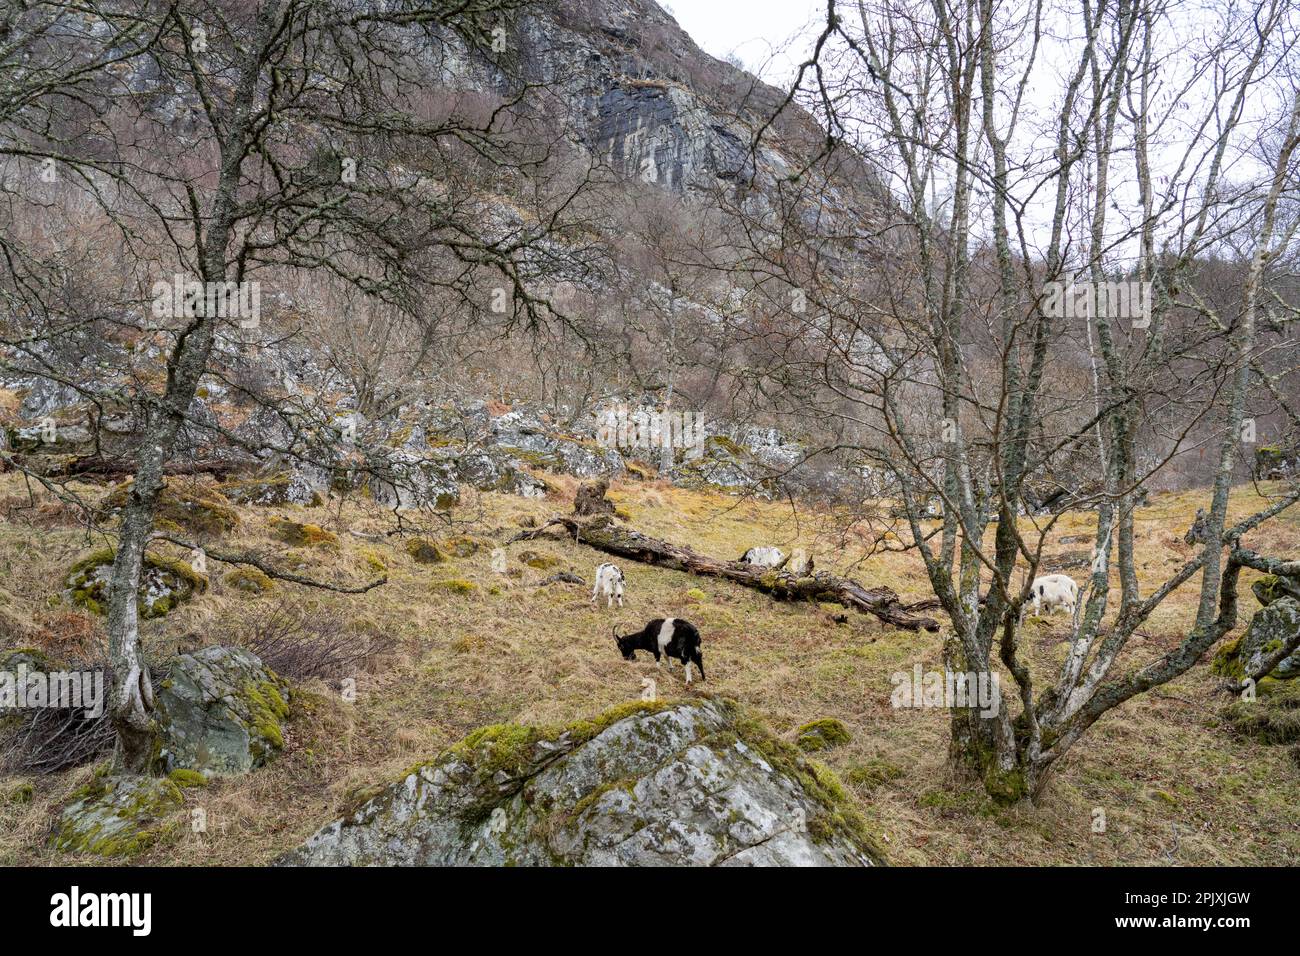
<point>133,692</point>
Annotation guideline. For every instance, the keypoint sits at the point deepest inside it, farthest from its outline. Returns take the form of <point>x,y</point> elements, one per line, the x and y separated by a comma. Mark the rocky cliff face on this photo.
<point>641,97</point>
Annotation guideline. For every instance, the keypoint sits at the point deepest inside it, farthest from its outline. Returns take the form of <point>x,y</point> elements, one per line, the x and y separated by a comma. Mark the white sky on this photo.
<point>771,37</point>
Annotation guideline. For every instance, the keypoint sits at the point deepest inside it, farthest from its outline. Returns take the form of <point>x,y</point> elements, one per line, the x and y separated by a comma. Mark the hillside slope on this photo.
<point>459,644</point>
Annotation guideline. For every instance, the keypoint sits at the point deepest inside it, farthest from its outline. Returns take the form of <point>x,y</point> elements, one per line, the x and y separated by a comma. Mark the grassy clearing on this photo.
<point>1173,783</point>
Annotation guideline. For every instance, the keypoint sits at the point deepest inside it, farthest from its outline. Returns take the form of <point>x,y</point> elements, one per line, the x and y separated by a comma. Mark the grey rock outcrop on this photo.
<point>694,783</point>
<point>220,711</point>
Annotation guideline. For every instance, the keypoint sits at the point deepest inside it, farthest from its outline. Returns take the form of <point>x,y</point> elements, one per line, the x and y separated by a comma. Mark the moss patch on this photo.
<point>424,551</point>
<point>249,580</point>
<point>164,583</point>
<point>822,734</point>
<point>299,534</point>
<point>192,508</point>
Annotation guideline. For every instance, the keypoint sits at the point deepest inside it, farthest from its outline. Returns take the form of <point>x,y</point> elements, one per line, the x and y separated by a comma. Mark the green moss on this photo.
<point>1227,661</point>
<point>87,584</point>
<point>194,508</point>
<point>822,734</point>
<point>187,778</point>
<point>463,546</point>
<point>299,534</point>
<point>249,580</point>
<point>374,560</point>
<point>1272,718</point>
<point>103,820</point>
<point>455,586</point>
<point>695,594</point>
<point>21,794</point>
<point>539,560</point>
<point>873,773</point>
<point>424,551</point>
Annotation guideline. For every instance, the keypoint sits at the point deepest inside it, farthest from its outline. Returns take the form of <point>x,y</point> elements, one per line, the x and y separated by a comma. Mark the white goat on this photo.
<point>763,557</point>
<point>1055,590</point>
<point>609,584</point>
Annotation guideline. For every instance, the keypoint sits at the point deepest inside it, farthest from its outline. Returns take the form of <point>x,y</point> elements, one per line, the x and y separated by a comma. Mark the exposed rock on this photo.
<point>164,583</point>
<point>688,783</point>
<point>220,710</point>
<point>118,816</point>
<point>282,488</point>
<point>1269,629</point>
<point>404,480</point>
<point>1273,586</point>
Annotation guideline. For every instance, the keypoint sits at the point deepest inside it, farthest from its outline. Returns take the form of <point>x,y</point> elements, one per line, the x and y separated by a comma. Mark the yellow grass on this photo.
<point>1174,786</point>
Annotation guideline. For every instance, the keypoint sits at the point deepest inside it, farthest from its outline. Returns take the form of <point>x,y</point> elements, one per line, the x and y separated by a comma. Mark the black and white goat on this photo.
<point>609,584</point>
<point>665,637</point>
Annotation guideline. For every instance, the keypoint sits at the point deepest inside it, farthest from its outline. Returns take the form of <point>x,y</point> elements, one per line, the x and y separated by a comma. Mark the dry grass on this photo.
<point>1173,784</point>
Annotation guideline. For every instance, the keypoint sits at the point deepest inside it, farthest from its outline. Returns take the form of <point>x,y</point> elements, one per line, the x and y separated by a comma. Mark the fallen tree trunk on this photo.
<point>604,535</point>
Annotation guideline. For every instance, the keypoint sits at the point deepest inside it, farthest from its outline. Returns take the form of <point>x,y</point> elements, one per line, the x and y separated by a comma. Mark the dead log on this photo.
<point>604,535</point>
<point>99,467</point>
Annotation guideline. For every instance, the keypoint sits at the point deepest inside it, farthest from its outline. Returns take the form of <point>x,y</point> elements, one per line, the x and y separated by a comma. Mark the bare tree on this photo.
<point>945,329</point>
<point>248,143</point>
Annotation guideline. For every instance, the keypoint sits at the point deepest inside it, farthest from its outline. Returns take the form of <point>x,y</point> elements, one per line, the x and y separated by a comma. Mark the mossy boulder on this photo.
<point>686,783</point>
<point>119,817</point>
<point>220,711</point>
<point>185,507</point>
<point>463,546</point>
<point>299,534</point>
<point>279,489</point>
<point>165,583</point>
<point>1269,628</point>
<point>540,560</point>
<point>821,734</point>
<point>1272,586</point>
<point>424,551</point>
<point>248,580</point>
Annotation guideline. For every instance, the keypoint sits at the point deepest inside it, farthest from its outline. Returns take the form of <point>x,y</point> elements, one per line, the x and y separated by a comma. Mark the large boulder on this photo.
<point>220,711</point>
<point>694,783</point>
<point>164,583</point>
<point>1270,627</point>
<point>119,816</point>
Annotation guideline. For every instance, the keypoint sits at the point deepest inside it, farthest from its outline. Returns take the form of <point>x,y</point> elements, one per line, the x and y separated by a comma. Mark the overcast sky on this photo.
<point>769,36</point>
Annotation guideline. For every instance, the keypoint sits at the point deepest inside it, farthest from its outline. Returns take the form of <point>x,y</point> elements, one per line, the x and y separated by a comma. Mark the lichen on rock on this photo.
<point>165,583</point>
<point>696,783</point>
<point>220,711</point>
<point>118,816</point>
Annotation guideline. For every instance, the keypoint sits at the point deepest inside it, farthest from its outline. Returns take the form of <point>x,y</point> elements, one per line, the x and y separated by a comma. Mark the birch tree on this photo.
<point>1024,155</point>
